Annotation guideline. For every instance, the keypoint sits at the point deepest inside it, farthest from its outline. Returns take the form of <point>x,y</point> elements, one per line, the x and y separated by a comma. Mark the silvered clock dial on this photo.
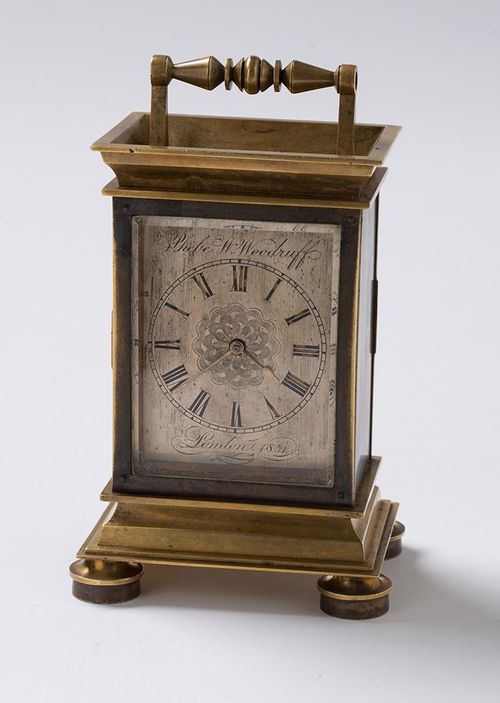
<point>233,345</point>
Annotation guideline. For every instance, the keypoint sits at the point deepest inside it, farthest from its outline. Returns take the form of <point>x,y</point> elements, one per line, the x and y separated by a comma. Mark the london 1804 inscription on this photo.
<point>234,337</point>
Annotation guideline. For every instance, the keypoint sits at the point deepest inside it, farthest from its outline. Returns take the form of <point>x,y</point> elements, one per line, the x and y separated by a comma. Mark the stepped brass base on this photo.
<point>149,529</point>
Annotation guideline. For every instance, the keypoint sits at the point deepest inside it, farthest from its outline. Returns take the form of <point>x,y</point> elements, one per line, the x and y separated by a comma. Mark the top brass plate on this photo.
<point>267,160</point>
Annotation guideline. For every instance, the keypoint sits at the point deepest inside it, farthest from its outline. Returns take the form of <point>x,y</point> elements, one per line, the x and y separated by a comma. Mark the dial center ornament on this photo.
<point>249,337</point>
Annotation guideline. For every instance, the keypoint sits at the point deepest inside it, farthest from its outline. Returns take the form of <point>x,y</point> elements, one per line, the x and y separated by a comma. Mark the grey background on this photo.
<point>70,71</point>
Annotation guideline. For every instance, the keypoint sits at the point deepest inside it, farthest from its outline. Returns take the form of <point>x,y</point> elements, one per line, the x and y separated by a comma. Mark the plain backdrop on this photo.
<point>69,72</point>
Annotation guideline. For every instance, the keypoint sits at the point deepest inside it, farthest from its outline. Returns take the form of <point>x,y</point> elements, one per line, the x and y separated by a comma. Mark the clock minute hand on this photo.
<point>265,368</point>
<point>192,379</point>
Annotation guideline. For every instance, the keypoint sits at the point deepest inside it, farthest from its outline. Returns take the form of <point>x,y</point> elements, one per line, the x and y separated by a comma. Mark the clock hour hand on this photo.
<point>268,369</point>
<point>192,379</point>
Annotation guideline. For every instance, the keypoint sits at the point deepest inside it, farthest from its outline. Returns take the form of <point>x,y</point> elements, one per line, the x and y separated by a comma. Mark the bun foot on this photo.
<point>396,542</point>
<point>105,582</point>
<point>354,597</point>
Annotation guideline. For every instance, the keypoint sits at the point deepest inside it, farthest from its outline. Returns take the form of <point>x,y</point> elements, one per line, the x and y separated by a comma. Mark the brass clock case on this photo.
<point>294,173</point>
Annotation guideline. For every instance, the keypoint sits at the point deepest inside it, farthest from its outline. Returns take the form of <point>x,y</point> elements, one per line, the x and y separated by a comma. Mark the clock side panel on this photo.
<point>121,361</point>
<point>125,478</point>
<point>366,340</point>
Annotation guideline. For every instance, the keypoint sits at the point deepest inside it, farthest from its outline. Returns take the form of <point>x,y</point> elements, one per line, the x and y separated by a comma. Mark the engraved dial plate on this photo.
<point>233,349</point>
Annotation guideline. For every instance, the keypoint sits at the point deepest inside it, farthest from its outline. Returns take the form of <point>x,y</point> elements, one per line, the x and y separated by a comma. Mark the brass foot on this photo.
<point>105,582</point>
<point>354,597</point>
<point>396,542</point>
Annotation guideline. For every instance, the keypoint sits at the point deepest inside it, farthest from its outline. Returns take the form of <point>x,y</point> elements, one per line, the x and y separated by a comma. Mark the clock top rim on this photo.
<point>246,160</point>
<point>251,139</point>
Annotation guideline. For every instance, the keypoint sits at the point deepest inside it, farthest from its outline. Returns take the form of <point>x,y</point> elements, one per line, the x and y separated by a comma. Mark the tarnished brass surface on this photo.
<point>105,582</point>
<point>104,573</point>
<point>397,532</point>
<point>115,190</point>
<point>279,141</point>
<point>347,77</point>
<point>106,595</point>
<point>194,533</point>
<point>205,73</point>
<point>396,542</point>
<point>240,160</point>
<point>354,598</point>
<point>351,589</point>
<point>161,74</point>
<point>364,494</point>
<point>277,76</point>
<point>253,75</point>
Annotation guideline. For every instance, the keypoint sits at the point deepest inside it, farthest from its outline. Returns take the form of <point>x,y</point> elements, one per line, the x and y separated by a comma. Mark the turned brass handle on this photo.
<point>252,75</point>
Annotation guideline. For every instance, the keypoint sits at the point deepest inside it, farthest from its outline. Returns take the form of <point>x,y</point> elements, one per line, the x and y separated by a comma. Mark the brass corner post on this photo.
<point>252,75</point>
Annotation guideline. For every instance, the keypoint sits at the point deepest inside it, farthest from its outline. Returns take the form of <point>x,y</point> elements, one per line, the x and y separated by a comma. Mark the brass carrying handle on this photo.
<point>252,75</point>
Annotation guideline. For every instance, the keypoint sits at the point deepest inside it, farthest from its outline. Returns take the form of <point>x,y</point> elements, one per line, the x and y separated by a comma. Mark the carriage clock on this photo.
<point>243,343</point>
